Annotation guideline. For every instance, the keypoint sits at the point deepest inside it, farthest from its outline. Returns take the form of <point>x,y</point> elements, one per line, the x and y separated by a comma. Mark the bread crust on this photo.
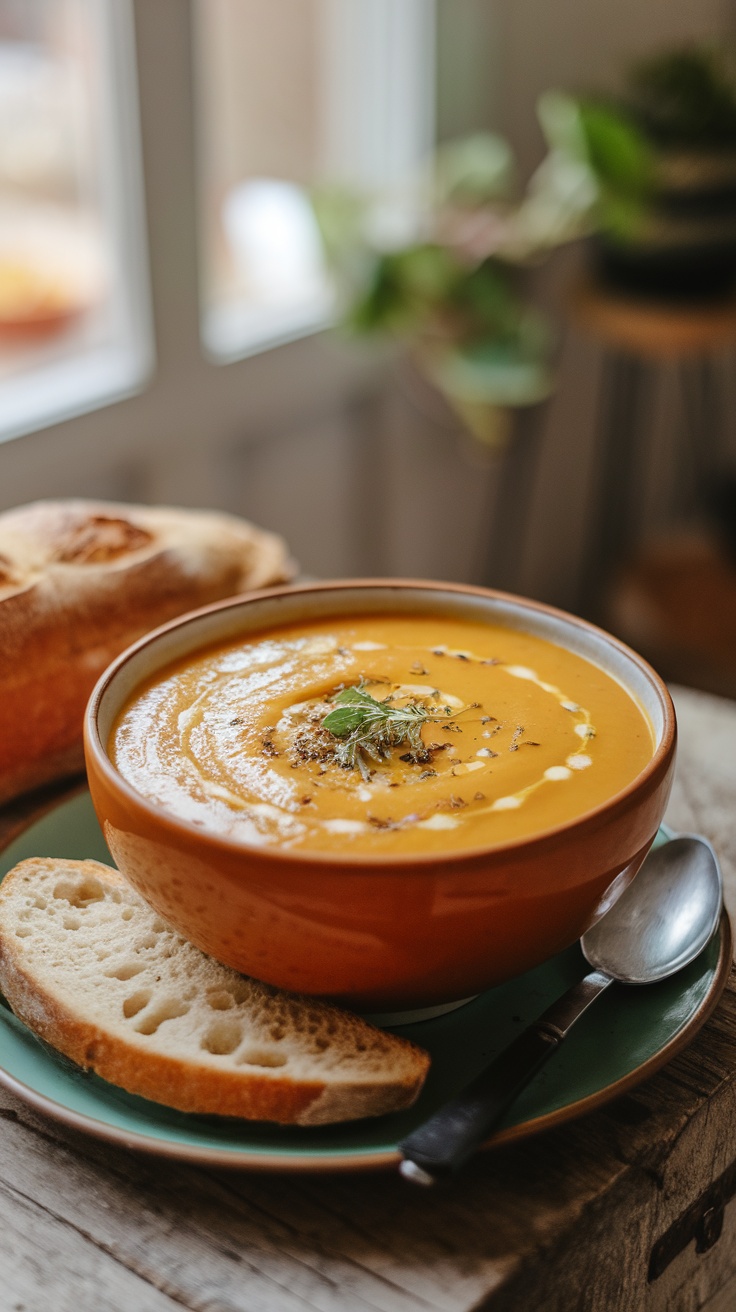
<point>128,1062</point>
<point>79,582</point>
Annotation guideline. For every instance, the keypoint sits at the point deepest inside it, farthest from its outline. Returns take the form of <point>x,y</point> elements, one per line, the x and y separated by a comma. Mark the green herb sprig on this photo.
<point>369,729</point>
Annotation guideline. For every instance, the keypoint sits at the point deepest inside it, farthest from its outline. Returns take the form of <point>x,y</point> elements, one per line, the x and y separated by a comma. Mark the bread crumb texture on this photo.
<point>93,970</point>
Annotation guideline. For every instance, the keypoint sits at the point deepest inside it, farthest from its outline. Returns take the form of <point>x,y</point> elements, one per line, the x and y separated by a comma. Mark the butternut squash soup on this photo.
<point>381,734</point>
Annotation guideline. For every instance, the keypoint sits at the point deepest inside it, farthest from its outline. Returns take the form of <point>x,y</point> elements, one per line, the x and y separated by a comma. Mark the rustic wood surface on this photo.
<point>561,1223</point>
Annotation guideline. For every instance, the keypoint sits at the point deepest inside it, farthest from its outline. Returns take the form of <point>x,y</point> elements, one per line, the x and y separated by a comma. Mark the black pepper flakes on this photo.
<point>514,744</point>
<point>416,758</point>
<point>378,822</point>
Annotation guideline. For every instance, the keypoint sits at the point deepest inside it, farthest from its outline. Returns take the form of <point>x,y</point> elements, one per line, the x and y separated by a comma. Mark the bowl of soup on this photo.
<point>384,793</point>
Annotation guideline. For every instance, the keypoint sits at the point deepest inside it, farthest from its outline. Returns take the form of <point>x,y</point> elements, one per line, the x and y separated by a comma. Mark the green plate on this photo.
<point>622,1040</point>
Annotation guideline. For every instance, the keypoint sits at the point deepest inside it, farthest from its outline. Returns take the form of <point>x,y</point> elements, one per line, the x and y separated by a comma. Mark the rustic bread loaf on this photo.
<point>80,581</point>
<point>91,968</point>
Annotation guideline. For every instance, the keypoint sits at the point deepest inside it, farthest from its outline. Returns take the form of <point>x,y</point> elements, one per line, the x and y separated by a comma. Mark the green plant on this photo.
<point>441,267</point>
<point>684,99</point>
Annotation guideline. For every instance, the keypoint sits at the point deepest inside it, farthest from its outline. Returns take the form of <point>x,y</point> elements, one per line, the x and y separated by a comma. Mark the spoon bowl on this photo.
<point>664,919</point>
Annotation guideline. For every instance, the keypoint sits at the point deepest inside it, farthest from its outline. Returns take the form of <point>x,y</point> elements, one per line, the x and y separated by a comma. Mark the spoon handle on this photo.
<point>451,1136</point>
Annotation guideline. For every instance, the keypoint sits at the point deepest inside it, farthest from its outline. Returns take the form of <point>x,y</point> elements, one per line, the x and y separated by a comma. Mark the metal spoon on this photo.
<point>661,922</point>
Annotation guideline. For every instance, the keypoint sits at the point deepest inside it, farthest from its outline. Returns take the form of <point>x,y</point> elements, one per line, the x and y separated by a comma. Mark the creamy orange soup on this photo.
<point>516,735</point>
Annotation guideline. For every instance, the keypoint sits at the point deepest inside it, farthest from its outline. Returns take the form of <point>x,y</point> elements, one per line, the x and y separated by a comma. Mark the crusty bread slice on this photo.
<point>91,968</point>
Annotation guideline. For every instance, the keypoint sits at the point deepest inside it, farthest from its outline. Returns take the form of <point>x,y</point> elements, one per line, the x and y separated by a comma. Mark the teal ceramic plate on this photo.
<point>627,1035</point>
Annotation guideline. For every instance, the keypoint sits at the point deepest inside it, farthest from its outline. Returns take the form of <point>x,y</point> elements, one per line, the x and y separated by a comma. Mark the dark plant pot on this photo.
<point>684,273</point>
<point>686,249</point>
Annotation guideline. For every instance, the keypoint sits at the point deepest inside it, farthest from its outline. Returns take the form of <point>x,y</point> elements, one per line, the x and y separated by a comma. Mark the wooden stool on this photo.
<point>638,336</point>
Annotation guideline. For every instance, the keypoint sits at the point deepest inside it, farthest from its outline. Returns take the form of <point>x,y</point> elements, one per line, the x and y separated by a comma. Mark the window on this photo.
<point>293,95</point>
<point>74,310</point>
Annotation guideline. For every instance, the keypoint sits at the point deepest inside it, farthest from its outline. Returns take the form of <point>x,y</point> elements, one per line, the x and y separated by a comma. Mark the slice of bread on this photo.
<point>92,970</point>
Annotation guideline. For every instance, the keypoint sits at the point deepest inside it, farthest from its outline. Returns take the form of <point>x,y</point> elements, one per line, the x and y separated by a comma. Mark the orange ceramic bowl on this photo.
<point>379,934</point>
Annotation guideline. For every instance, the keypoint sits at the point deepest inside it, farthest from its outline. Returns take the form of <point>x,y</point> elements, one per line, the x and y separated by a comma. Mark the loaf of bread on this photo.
<point>80,581</point>
<point>92,970</point>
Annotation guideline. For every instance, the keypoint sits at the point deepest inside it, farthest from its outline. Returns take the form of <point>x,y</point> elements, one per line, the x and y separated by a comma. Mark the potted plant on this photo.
<point>661,160</point>
<point>442,266</point>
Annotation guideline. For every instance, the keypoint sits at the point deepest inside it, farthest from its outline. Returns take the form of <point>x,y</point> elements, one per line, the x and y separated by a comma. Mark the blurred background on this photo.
<point>438,288</point>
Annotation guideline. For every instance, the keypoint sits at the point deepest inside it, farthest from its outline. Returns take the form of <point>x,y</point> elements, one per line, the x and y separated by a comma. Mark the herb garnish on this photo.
<point>368,729</point>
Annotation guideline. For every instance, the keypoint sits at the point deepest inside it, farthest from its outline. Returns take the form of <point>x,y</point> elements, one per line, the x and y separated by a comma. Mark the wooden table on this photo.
<point>565,1222</point>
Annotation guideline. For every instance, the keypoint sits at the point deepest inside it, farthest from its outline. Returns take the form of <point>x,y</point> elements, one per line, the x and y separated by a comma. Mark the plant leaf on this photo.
<point>343,720</point>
